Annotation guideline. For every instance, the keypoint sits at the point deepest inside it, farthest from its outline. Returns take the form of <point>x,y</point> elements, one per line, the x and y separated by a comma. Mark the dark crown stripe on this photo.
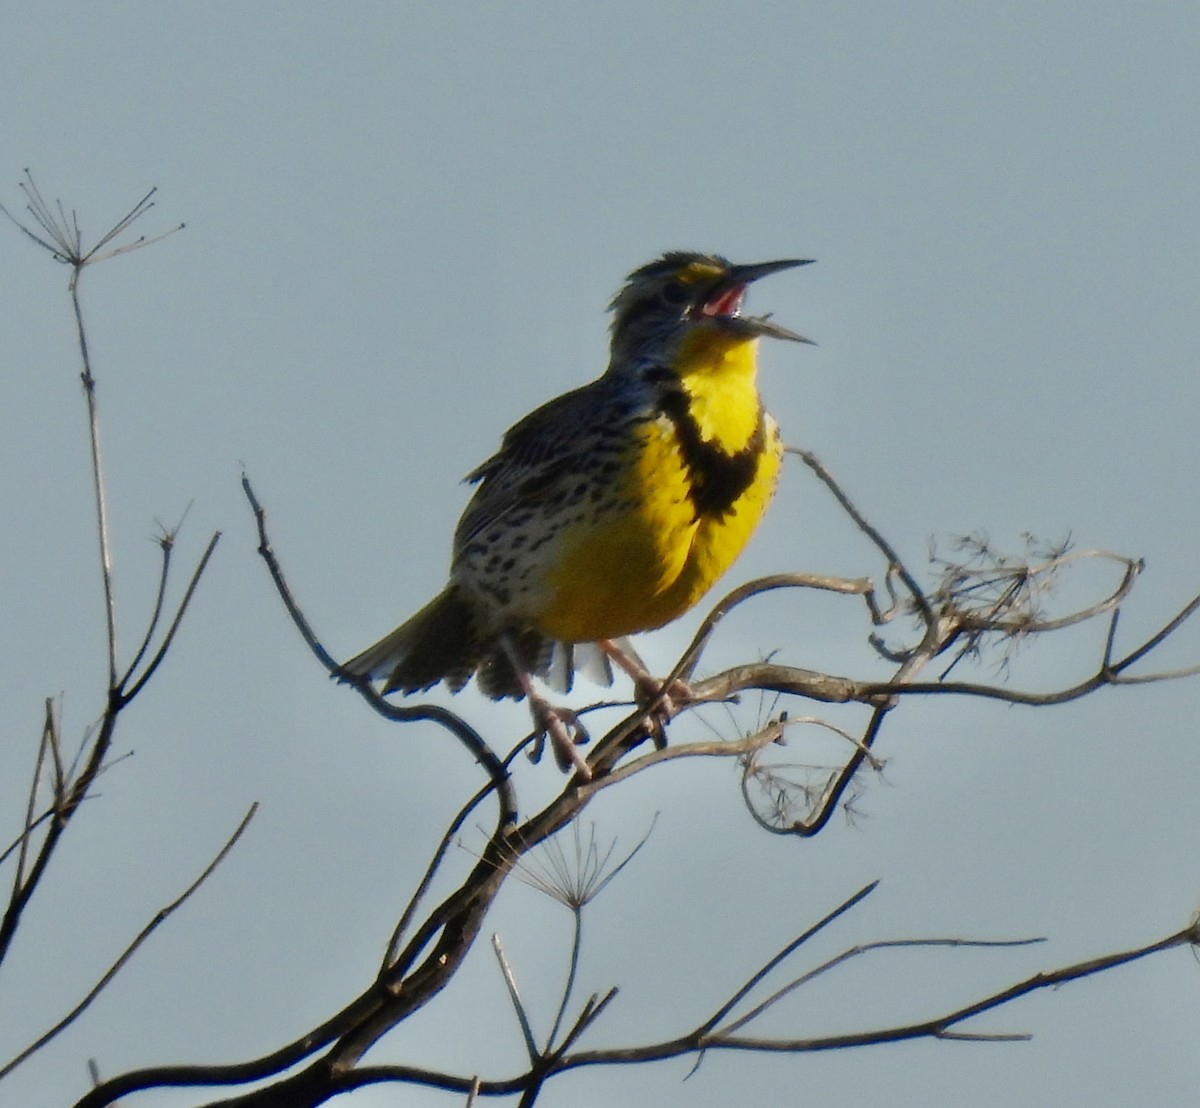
<point>716,478</point>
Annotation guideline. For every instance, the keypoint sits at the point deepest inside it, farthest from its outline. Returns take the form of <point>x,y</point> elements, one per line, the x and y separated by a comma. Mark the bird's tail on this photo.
<point>439,643</point>
<point>442,642</point>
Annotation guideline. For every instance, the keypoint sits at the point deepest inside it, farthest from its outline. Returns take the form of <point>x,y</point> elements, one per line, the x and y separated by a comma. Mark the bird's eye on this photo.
<point>673,292</point>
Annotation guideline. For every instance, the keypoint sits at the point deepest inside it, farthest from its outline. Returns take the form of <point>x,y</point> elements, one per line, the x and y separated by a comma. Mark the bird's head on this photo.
<point>682,290</point>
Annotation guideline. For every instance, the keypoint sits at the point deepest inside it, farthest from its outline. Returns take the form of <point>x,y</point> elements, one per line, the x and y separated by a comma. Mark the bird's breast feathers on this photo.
<point>682,516</point>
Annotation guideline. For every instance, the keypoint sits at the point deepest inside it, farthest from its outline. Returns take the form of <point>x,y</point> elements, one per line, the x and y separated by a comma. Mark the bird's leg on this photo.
<point>560,724</point>
<point>665,702</point>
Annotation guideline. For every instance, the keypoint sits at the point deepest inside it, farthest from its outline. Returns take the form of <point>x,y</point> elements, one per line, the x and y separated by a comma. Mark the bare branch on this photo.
<point>572,973</point>
<point>65,804</point>
<point>281,586</point>
<point>719,747</point>
<point>857,952</point>
<point>167,546</point>
<point>23,838</point>
<point>64,241</point>
<point>894,561</point>
<point>127,695</point>
<point>160,917</point>
<point>940,1027</point>
<point>518,1004</point>
<point>767,967</point>
<point>1168,629</point>
<point>591,1012</point>
<point>427,878</point>
<point>89,392</point>
<point>574,881</point>
<point>45,743</point>
<point>433,713</point>
<point>687,660</point>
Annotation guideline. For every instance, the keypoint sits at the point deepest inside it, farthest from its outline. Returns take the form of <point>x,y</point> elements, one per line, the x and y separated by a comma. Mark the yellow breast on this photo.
<point>695,482</point>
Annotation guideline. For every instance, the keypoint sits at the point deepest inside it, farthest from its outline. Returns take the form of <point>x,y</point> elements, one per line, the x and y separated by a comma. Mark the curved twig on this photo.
<point>433,713</point>
<point>857,586</point>
<point>167,546</point>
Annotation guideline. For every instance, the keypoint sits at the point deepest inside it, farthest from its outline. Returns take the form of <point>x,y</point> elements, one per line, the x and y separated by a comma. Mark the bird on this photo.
<point>609,510</point>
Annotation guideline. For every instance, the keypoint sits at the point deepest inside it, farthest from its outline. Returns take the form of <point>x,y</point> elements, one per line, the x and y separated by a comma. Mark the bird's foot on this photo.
<point>561,725</point>
<point>566,734</point>
<point>663,700</point>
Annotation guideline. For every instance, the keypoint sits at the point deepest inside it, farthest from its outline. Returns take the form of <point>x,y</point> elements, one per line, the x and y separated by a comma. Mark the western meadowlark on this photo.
<point>613,508</point>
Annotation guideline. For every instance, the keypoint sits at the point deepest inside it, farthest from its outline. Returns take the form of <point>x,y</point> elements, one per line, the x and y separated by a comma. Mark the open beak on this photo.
<point>726,300</point>
<point>745,274</point>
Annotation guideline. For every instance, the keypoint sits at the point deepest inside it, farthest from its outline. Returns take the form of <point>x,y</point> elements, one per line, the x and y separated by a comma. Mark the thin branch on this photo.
<point>22,838</point>
<point>64,807</point>
<point>431,869</point>
<point>128,694</point>
<point>591,1012</point>
<point>719,747</point>
<point>1154,678</point>
<point>160,917</point>
<point>1169,628</point>
<point>833,689</point>
<point>97,253</point>
<point>89,392</point>
<point>64,241</point>
<point>545,1067</point>
<point>940,1027</point>
<point>880,696</point>
<point>514,994</point>
<point>572,973</point>
<point>467,735</point>
<point>991,622</point>
<point>281,586</point>
<point>167,546</point>
<point>859,586</point>
<point>857,952</point>
<point>576,881</point>
<point>894,561</point>
<point>765,969</point>
<point>703,1038</point>
<point>840,783</point>
<point>433,713</point>
<point>62,238</point>
<point>31,803</point>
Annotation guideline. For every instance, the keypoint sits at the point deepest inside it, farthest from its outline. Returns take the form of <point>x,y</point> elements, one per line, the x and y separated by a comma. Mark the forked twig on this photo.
<point>857,952</point>
<point>769,965</point>
<point>706,1037</point>
<point>128,694</point>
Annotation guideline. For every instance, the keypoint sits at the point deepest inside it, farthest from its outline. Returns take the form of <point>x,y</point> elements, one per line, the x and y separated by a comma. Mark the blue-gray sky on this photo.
<point>403,223</point>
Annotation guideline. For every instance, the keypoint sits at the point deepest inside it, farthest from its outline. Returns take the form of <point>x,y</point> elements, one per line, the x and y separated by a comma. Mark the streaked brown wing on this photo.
<point>547,443</point>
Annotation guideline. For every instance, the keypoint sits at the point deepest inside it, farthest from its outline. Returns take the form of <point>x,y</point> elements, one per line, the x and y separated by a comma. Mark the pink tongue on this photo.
<point>725,304</point>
